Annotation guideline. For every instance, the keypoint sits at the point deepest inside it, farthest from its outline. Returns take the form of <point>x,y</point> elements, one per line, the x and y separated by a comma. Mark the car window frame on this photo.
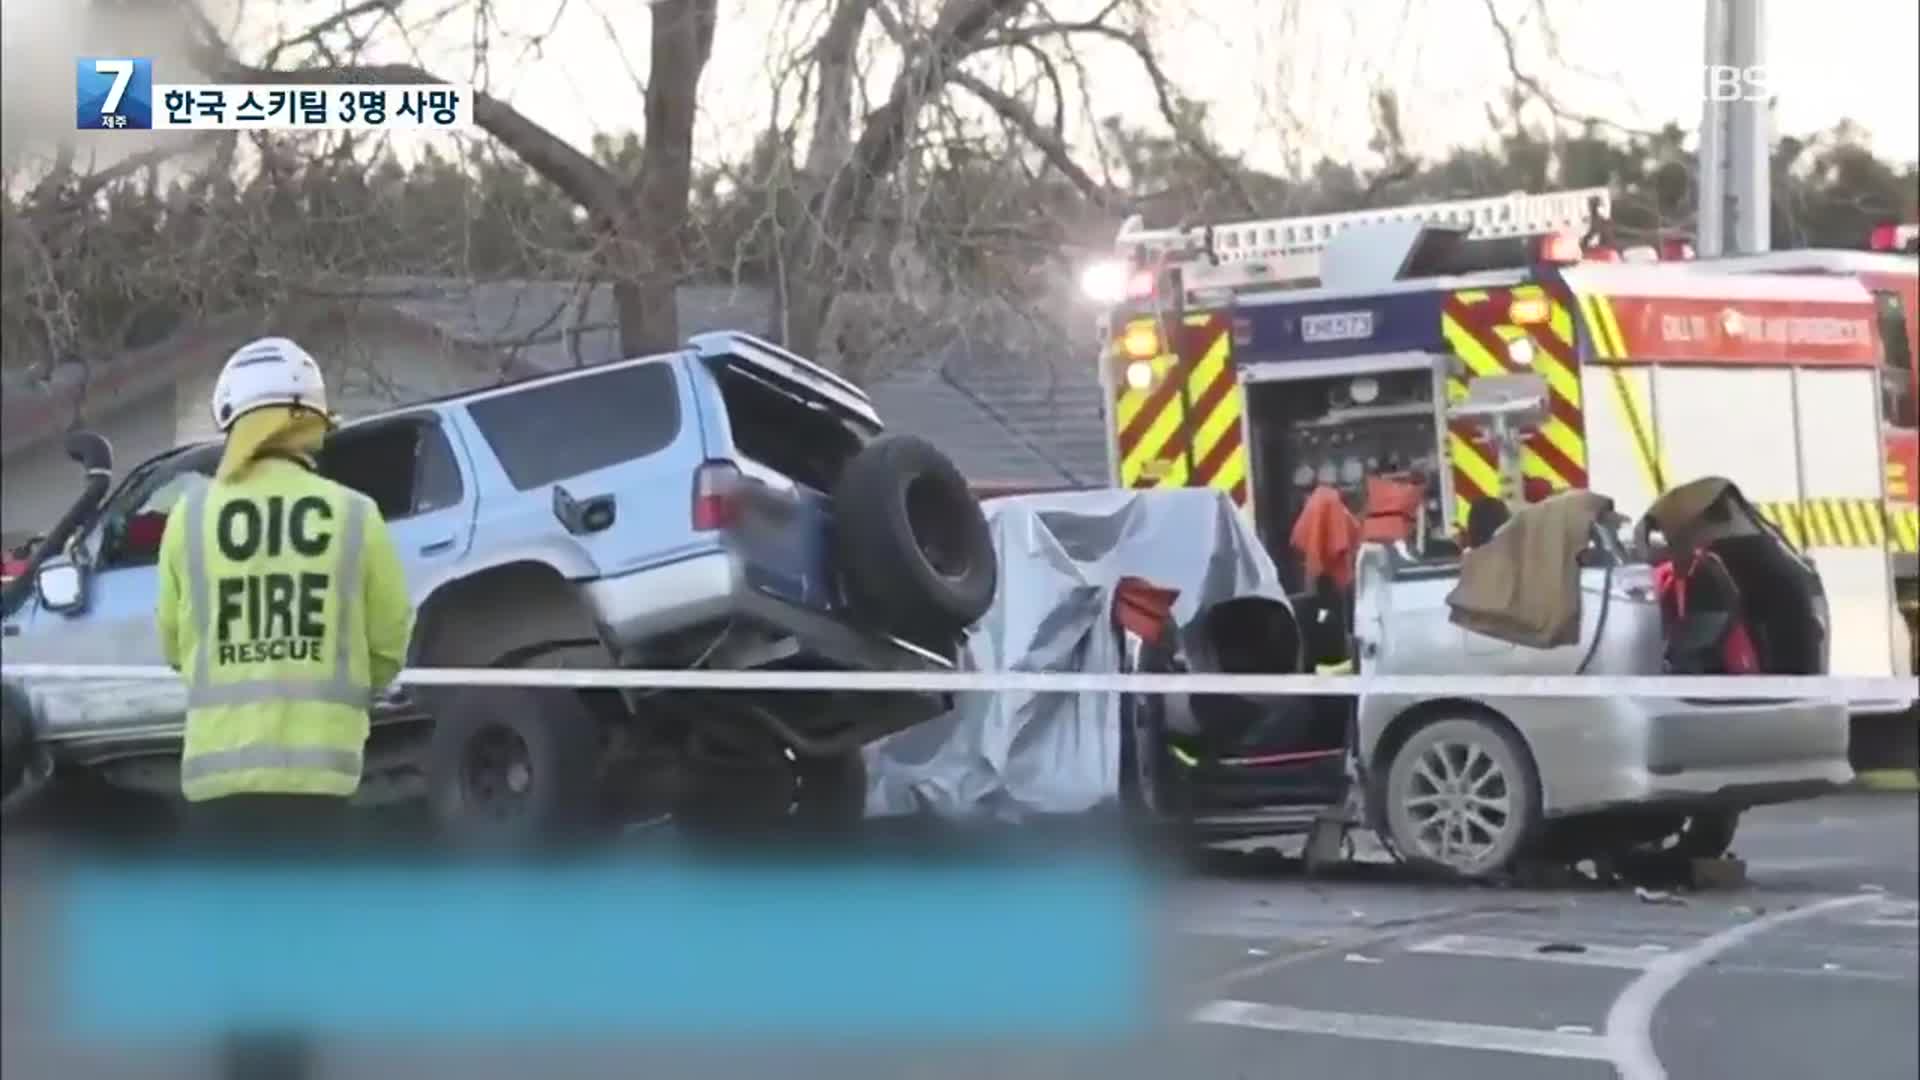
<point>432,425</point>
<point>92,543</point>
<point>419,420</point>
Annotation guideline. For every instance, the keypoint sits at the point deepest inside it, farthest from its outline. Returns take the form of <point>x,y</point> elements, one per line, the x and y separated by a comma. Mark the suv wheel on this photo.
<point>512,764</point>
<point>913,542</point>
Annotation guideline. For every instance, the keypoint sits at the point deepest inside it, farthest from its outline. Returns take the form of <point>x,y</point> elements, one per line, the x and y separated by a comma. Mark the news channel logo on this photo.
<point>1730,82</point>
<point>113,93</point>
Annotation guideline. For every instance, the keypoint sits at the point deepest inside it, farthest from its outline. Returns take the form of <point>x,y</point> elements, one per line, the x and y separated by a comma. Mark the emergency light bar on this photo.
<point>1278,251</point>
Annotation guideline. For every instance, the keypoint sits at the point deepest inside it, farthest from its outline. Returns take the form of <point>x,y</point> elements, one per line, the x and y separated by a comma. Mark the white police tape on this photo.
<point>1892,692</point>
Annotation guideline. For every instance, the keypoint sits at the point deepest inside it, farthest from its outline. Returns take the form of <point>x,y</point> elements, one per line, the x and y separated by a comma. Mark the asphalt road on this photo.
<point>1811,969</point>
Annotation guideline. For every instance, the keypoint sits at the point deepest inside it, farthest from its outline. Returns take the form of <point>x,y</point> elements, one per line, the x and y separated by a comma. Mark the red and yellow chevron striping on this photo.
<point>1526,328</point>
<point>1184,429</point>
<point>1846,523</point>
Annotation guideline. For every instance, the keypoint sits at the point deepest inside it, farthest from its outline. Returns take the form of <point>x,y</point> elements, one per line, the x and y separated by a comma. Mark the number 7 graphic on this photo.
<point>113,93</point>
<point>122,72</point>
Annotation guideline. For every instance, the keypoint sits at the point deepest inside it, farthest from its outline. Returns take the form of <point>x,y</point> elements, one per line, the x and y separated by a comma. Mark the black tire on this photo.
<point>832,791</point>
<point>1408,811</point>
<point>541,746</point>
<point>913,543</point>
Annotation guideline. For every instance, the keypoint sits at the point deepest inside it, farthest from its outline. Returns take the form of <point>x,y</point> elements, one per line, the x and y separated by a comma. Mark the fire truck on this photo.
<point>1266,358</point>
<point>1890,269</point>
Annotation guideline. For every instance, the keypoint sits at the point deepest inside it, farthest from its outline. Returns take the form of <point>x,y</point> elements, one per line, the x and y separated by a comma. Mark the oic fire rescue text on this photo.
<point>274,615</point>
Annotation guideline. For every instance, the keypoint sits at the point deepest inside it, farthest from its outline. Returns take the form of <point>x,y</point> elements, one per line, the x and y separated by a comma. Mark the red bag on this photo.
<point>1737,653</point>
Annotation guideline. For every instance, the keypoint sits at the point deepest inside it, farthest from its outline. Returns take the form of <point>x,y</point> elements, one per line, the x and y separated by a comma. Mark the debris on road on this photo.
<point>1357,958</point>
<point>1562,947</point>
<point>1658,896</point>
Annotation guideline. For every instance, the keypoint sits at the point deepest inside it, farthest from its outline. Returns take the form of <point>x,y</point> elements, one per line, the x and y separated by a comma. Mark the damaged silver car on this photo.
<point>1176,580</point>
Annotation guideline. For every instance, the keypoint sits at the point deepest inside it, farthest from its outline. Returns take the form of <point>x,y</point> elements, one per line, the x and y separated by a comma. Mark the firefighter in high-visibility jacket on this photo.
<point>282,603</point>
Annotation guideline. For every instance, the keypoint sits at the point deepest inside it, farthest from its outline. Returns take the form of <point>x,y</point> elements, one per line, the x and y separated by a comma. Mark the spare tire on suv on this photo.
<point>913,543</point>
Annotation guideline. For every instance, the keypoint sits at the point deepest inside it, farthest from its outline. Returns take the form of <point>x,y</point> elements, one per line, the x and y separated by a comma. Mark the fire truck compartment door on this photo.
<point>1842,466</point>
<point>1803,445</point>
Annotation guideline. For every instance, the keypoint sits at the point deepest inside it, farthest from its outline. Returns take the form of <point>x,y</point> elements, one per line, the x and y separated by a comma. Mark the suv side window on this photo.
<point>552,431</point>
<point>436,483</point>
<point>1896,361</point>
<point>134,521</point>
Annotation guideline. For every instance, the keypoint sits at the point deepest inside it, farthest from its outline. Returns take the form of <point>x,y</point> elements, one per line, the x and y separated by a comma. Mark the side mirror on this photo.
<point>93,452</point>
<point>61,586</point>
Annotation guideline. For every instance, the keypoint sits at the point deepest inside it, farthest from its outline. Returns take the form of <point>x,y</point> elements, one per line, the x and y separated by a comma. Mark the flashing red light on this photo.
<point>1560,248</point>
<point>716,491</point>
<point>1140,285</point>
<point>1603,254</point>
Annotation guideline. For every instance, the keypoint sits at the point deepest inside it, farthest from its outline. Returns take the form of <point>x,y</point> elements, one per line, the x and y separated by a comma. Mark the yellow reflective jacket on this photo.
<point>283,603</point>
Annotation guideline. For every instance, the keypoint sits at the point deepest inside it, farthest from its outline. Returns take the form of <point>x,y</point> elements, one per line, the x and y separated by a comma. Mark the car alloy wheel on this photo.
<point>1461,796</point>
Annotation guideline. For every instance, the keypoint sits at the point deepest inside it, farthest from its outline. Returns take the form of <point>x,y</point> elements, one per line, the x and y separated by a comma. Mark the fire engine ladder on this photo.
<point>1285,252</point>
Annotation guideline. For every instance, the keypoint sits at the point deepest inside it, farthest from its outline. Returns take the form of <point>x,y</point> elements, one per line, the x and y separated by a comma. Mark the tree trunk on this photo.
<point>653,240</point>
<point>808,275</point>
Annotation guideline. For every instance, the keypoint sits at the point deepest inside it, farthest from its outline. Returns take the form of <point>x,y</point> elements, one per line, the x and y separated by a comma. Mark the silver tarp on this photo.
<point>1007,755</point>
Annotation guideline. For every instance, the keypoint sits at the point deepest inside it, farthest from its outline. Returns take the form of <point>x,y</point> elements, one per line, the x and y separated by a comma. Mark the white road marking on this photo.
<point>1403,1029</point>
<point>1494,948</point>
<point>1893,915</point>
<point>1908,923</point>
<point>1800,865</point>
<point>1629,1030</point>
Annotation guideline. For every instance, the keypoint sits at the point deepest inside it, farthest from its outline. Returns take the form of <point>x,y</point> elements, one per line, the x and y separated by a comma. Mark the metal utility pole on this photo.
<point>1735,214</point>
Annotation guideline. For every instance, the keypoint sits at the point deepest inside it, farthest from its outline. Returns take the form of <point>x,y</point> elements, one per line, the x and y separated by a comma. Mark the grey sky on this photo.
<point>1282,76</point>
<point>1274,68</point>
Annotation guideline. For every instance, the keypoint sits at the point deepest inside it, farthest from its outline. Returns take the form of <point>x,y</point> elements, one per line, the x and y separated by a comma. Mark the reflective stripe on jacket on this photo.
<point>283,604</point>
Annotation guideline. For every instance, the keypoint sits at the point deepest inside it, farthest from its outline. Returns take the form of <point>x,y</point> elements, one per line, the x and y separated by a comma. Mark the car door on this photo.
<point>119,555</point>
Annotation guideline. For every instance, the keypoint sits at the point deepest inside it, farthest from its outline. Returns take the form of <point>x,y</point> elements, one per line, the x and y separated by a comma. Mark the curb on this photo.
<point>1906,780</point>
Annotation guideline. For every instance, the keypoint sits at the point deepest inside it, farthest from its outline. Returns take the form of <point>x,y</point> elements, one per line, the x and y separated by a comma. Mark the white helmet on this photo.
<point>270,371</point>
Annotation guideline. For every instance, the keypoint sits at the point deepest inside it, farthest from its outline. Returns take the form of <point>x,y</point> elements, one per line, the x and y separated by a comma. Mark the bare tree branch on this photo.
<point>1050,144</point>
<point>1534,89</point>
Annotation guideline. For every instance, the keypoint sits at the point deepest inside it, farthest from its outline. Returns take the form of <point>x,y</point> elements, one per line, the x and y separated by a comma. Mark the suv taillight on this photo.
<point>716,492</point>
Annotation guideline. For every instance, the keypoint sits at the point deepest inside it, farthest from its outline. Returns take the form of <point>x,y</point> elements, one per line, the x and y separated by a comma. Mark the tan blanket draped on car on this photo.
<point>1523,586</point>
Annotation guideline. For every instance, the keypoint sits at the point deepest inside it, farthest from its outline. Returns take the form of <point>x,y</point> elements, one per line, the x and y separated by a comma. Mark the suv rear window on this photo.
<point>779,430</point>
<point>548,432</point>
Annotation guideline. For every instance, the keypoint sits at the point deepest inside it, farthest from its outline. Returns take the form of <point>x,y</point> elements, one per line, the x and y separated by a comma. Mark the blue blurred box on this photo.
<point>854,951</point>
